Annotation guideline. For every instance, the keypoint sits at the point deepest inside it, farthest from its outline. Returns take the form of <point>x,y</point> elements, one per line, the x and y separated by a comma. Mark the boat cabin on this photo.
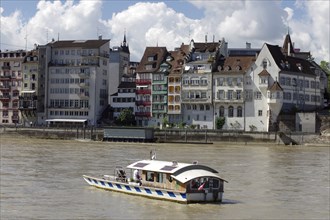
<point>176,176</point>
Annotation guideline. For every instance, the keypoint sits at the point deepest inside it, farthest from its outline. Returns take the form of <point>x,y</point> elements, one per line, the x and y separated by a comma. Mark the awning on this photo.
<point>192,174</point>
<point>66,120</point>
<point>186,68</point>
<point>141,86</point>
<point>30,91</point>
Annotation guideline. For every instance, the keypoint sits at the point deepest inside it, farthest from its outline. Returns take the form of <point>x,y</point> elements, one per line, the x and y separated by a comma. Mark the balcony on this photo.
<point>160,101</point>
<point>4,87</point>
<point>159,82</point>
<point>144,103</point>
<point>84,85</point>
<point>5,68</point>
<point>159,92</point>
<point>4,97</point>
<point>143,81</point>
<point>84,75</point>
<point>15,118</point>
<point>159,110</point>
<point>5,77</point>
<point>143,91</point>
<point>142,114</point>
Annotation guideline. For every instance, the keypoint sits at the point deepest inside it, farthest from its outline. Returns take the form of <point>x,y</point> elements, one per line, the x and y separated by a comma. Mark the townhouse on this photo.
<point>76,81</point>
<point>150,76</point>
<point>197,97</point>
<point>10,86</point>
<point>28,98</point>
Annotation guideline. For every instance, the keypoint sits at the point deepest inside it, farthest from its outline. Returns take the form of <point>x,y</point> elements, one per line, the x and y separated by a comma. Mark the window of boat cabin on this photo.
<point>160,177</point>
<point>150,176</point>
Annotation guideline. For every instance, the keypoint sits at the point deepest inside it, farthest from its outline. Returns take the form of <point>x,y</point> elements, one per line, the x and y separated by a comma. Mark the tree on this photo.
<point>126,118</point>
<point>219,122</point>
<point>326,67</point>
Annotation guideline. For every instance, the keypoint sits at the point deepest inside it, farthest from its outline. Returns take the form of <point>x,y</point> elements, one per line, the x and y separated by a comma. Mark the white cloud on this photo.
<point>149,24</point>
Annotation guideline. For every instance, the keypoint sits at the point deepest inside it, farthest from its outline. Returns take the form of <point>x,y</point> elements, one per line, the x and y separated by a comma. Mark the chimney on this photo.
<point>100,37</point>
<point>248,45</point>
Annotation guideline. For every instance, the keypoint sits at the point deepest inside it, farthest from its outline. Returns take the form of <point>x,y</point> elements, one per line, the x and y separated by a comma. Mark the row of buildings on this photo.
<point>70,82</point>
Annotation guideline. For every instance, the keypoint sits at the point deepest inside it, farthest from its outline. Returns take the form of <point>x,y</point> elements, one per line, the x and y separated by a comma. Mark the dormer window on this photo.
<point>264,64</point>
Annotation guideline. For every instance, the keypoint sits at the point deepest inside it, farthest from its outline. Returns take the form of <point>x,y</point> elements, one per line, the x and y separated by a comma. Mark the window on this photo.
<point>239,111</point>
<point>230,111</point>
<point>221,111</point>
<point>259,112</point>
<point>264,64</point>
<point>258,95</point>
<point>230,94</point>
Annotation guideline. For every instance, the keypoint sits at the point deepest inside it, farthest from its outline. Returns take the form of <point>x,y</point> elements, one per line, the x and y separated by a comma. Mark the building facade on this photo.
<point>10,86</point>
<point>76,81</point>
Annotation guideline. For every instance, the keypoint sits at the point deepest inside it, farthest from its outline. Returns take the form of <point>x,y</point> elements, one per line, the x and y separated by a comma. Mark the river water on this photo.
<point>42,179</point>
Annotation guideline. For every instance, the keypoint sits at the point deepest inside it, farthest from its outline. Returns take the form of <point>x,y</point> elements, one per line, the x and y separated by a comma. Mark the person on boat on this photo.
<point>137,177</point>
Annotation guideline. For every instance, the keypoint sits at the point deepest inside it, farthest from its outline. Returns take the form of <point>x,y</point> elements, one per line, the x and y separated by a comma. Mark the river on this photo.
<point>42,179</point>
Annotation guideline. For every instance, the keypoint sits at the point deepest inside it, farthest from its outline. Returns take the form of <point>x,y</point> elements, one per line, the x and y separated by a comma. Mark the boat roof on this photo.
<point>182,172</point>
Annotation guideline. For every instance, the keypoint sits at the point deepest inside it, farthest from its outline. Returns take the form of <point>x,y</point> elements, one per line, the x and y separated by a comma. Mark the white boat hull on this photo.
<point>155,193</point>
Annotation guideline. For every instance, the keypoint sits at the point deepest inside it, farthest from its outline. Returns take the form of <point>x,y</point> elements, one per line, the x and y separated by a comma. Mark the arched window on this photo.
<point>230,111</point>
<point>239,111</point>
<point>222,111</point>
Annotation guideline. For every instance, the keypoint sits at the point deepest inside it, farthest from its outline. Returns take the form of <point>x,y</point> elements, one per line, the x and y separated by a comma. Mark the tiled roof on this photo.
<point>158,53</point>
<point>78,43</point>
<point>237,63</point>
<point>177,62</point>
<point>264,73</point>
<point>204,47</point>
<point>275,87</point>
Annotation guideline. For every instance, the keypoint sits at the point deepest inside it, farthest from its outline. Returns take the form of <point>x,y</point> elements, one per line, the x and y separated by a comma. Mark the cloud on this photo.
<point>151,24</point>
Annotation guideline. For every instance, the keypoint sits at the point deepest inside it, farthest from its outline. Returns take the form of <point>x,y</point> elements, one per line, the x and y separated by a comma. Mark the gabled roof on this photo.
<point>289,63</point>
<point>78,43</point>
<point>264,73</point>
<point>275,87</point>
<point>158,53</point>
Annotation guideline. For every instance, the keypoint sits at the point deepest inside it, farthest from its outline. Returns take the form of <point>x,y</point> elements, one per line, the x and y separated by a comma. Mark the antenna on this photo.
<point>26,38</point>
<point>58,36</point>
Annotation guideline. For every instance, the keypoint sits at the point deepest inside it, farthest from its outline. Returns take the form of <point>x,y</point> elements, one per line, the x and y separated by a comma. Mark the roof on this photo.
<point>192,174</point>
<point>158,53</point>
<point>264,73</point>
<point>182,172</point>
<point>78,43</point>
<point>127,85</point>
<point>206,47</point>
<point>275,87</point>
<point>287,45</point>
<point>238,63</point>
<point>289,63</point>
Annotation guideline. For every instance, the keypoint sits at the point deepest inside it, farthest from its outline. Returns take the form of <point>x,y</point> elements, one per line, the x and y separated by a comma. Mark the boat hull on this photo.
<point>155,193</point>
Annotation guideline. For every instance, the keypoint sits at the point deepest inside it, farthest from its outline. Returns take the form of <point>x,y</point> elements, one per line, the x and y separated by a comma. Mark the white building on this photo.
<point>76,80</point>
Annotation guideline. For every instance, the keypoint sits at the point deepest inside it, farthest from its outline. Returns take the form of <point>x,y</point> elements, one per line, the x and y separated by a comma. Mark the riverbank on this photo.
<point>180,136</point>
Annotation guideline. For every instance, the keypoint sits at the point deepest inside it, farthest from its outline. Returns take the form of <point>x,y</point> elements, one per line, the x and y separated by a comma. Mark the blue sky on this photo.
<point>167,23</point>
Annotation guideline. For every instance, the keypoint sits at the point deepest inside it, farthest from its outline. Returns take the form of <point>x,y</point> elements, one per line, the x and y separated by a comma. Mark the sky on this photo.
<point>170,23</point>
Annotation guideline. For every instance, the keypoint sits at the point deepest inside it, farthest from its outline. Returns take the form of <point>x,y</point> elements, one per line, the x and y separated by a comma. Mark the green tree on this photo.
<point>126,118</point>
<point>326,67</point>
<point>219,122</point>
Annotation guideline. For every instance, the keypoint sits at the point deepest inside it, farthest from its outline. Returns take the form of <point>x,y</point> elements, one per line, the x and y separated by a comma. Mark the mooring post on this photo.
<point>185,136</point>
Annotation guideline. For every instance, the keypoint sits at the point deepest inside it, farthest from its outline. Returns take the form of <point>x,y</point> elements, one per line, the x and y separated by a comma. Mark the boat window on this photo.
<point>215,183</point>
<point>160,177</point>
<point>150,176</point>
<point>199,183</point>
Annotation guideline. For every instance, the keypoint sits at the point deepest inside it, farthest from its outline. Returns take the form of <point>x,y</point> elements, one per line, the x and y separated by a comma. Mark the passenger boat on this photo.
<point>166,180</point>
